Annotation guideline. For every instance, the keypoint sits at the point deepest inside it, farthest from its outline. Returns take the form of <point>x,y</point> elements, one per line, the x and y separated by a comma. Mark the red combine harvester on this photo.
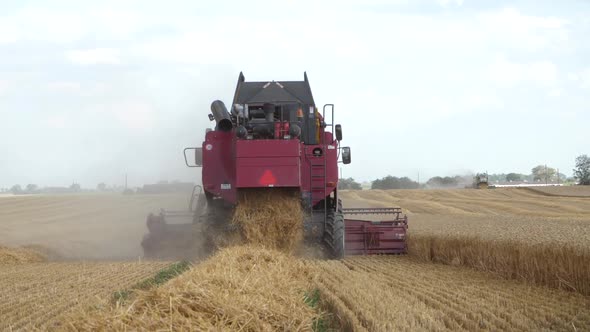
<point>274,136</point>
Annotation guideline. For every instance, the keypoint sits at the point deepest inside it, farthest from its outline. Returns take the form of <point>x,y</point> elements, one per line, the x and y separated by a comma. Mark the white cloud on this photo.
<point>95,56</point>
<point>446,3</point>
<point>42,24</point>
<point>556,92</point>
<point>584,78</point>
<point>64,87</point>
<point>418,66</point>
<point>3,87</point>
<point>96,89</point>
<point>57,122</point>
<point>507,72</point>
<point>573,76</point>
<point>62,26</point>
<point>8,33</point>
<point>134,115</point>
<point>542,71</point>
<point>478,100</point>
<point>510,27</point>
<point>290,40</point>
<point>75,88</point>
<point>119,23</point>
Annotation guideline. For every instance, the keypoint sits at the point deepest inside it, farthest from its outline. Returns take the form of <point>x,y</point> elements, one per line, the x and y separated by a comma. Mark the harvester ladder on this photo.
<point>318,166</point>
<point>318,178</point>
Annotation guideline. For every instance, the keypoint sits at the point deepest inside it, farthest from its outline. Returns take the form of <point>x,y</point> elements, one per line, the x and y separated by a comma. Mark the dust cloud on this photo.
<point>85,226</point>
<point>132,132</point>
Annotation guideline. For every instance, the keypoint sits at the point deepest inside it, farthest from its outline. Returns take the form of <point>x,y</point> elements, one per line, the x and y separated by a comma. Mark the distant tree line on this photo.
<point>31,188</point>
<point>539,173</point>
<point>582,170</point>
<point>544,173</point>
<point>393,182</point>
<point>349,184</point>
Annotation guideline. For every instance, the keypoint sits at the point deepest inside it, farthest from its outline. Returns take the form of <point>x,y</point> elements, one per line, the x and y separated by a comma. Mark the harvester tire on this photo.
<point>335,231</point>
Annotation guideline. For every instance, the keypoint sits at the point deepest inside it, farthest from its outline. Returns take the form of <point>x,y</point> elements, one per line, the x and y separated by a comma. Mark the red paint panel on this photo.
<point>267,148</point>
<point>264,161</point>
<point>219,166</point>
<point>268,172</point>
<point>268,163</point>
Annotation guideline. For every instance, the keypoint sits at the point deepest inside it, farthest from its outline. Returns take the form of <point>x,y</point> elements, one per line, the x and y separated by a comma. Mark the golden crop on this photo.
<point>34,295</point>
<point>535,237</point>
<point>395,293</point>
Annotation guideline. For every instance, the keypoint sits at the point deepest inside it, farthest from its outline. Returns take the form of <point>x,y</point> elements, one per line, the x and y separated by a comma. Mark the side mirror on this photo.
<point>346,158</point>
<point>338,132</point>
<point>198,157</point>
<point>211,117</point>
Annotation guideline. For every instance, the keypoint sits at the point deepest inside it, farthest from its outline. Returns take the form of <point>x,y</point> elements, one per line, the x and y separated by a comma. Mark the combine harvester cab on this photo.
<point>369,237</point>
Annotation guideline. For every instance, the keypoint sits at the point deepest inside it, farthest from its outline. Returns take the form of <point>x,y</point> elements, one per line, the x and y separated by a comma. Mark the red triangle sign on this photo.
<point>267,179</point>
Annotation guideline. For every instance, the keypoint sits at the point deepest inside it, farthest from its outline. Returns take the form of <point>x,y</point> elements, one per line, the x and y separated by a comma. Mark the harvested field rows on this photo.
<point>382,293</point>
<point>35,295</point>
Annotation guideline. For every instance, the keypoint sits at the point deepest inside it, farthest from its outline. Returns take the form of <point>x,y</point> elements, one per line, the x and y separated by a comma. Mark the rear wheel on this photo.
<point>334,233</point>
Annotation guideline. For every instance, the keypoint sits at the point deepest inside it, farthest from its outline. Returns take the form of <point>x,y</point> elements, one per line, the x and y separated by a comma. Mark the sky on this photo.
<point>91,91</point>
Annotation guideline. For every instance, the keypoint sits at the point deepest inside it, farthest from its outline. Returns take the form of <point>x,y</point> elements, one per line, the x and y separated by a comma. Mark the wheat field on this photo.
<point>536,238</point>
<point>35,295</point>
<point>515,233</point>
<point>495,214</point>
<point>241,288</point>
<point>254,289</point>
<point>385,293</point>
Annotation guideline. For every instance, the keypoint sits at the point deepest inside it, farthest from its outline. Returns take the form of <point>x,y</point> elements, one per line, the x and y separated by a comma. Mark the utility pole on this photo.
<point>125,181</point>
<point>418,179</point>
<point>558,176</point>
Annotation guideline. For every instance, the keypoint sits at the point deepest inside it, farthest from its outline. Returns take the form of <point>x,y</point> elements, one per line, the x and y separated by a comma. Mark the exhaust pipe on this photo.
<point>221,116</point>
